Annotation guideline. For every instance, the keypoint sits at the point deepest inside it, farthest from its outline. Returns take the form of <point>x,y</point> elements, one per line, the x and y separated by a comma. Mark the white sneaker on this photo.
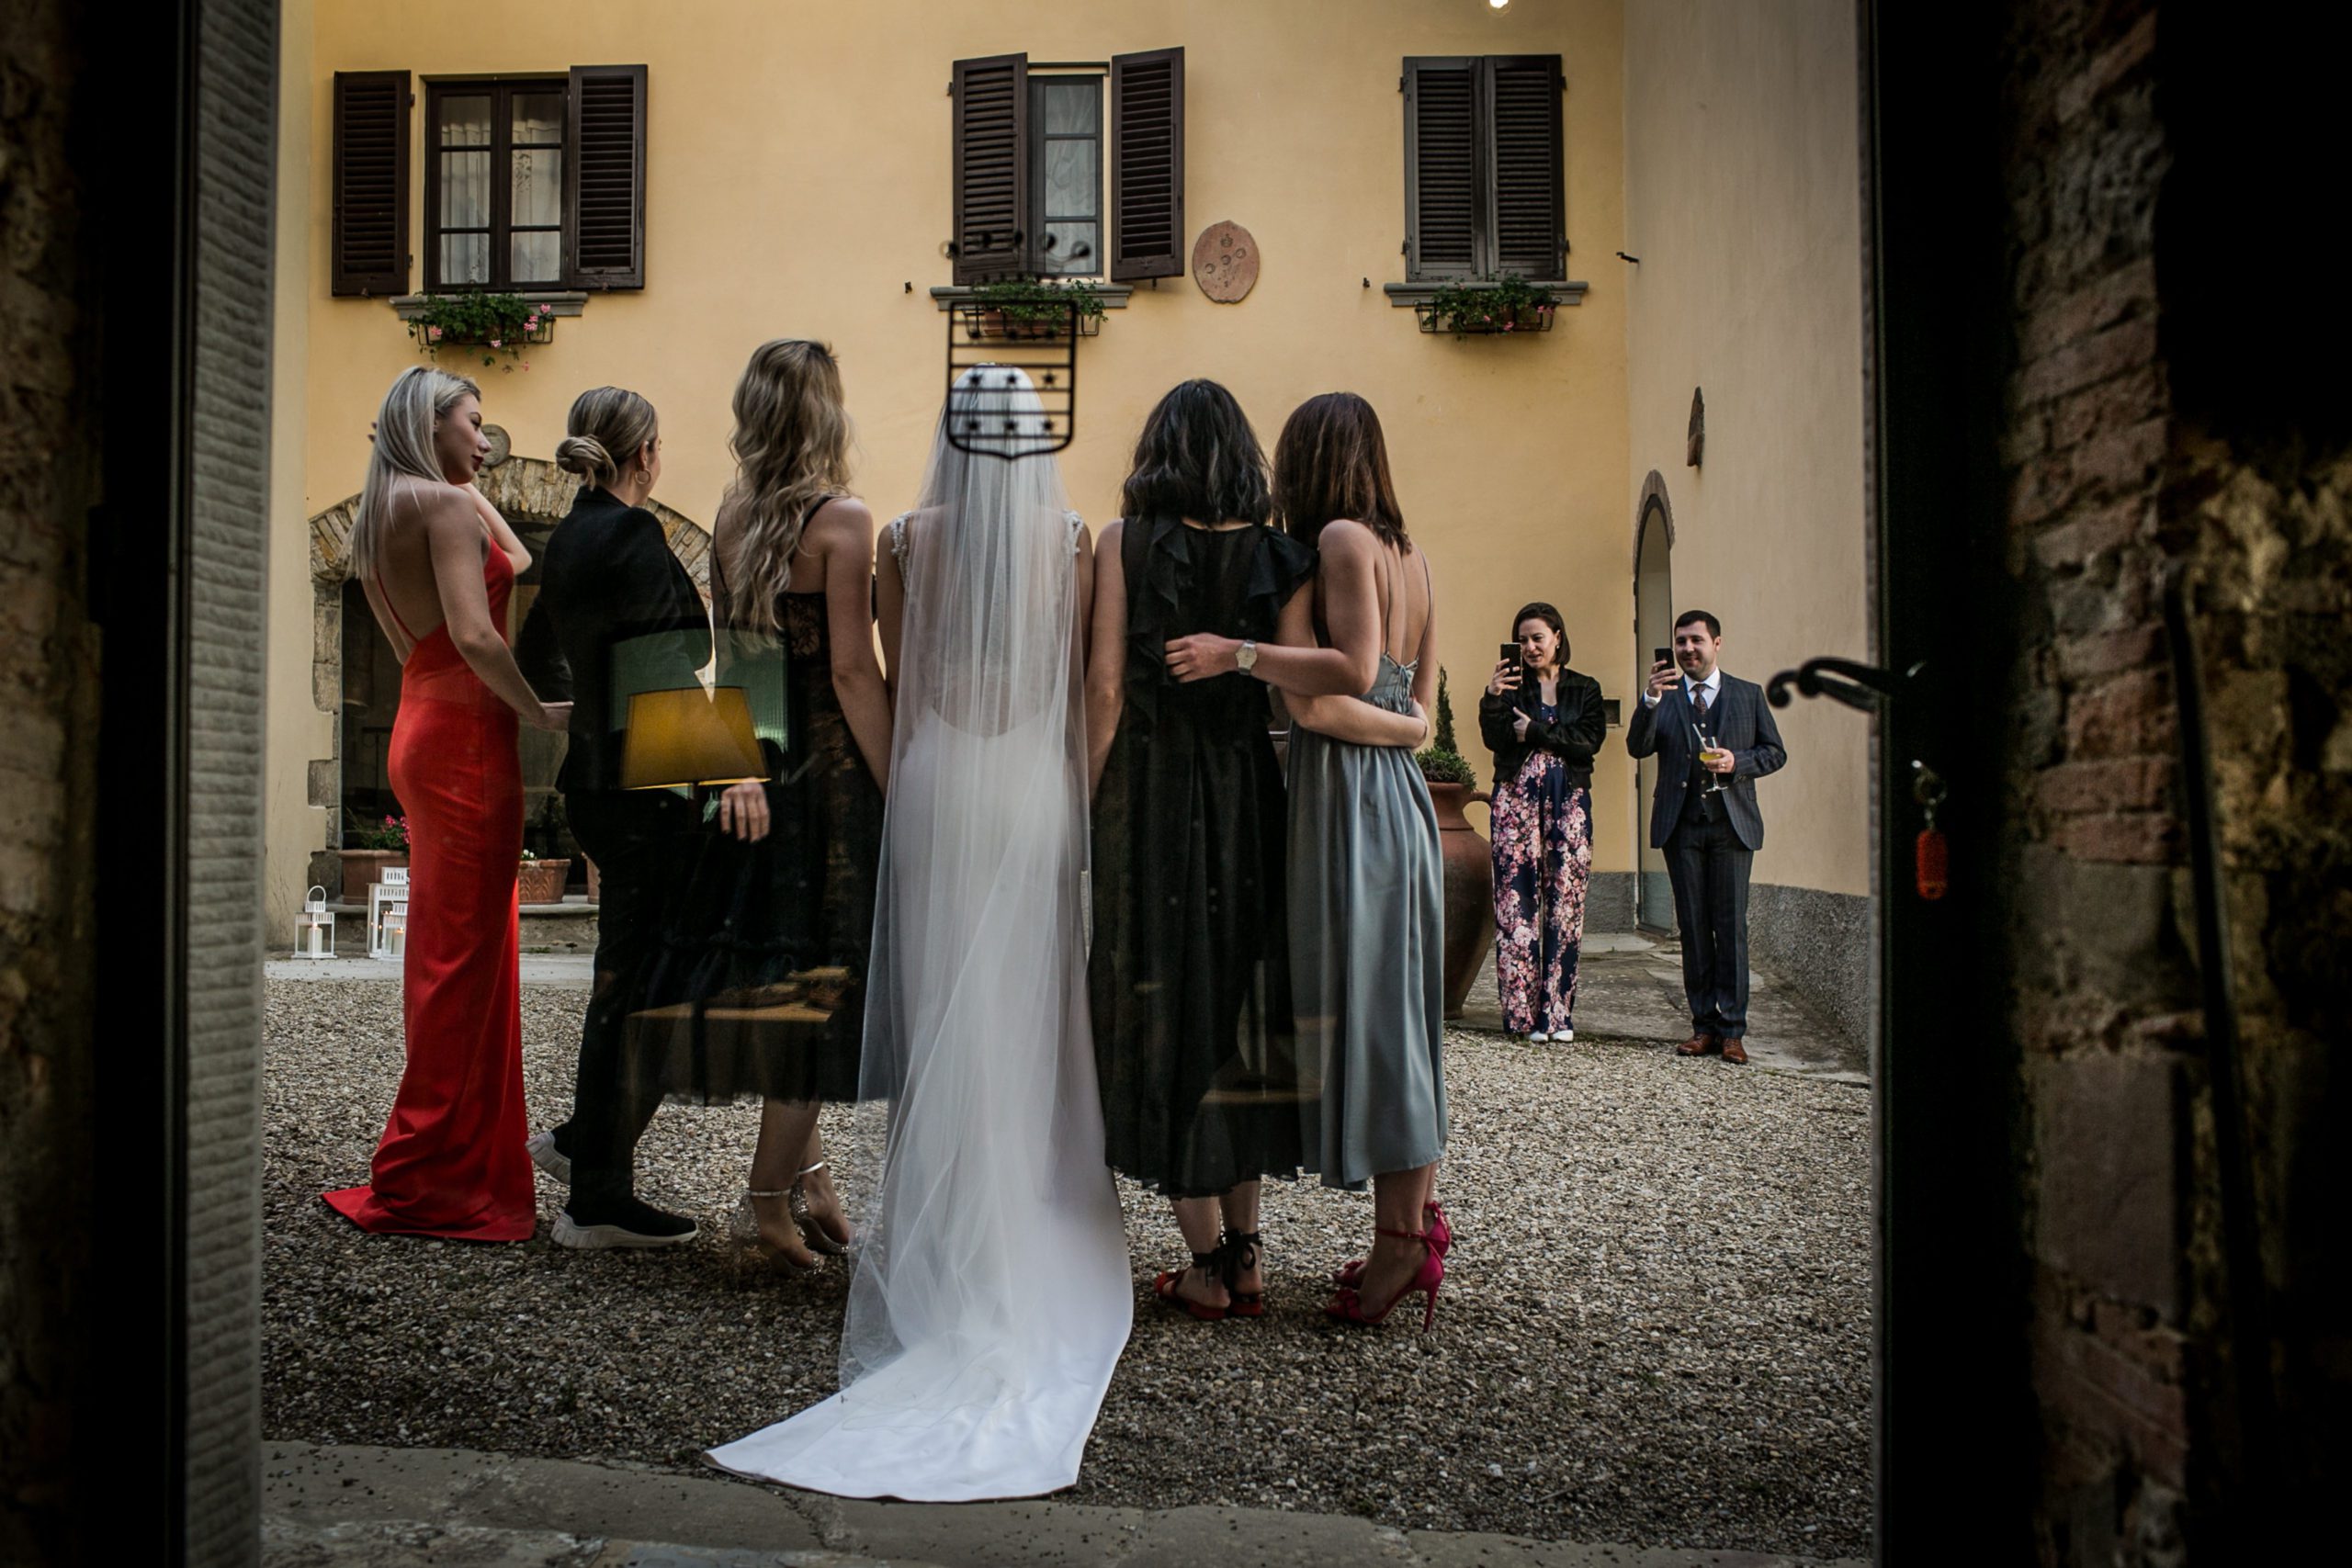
<point>1539,1038</point>
<point>1564,1037</point>
<point>548,1157</point>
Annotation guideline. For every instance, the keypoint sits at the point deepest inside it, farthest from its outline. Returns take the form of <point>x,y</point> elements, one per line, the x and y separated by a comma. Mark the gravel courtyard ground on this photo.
<point>1654,1329</point>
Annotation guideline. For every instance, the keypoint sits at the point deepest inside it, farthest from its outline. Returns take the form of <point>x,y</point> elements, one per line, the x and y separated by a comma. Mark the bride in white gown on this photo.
<point>992,1296</point>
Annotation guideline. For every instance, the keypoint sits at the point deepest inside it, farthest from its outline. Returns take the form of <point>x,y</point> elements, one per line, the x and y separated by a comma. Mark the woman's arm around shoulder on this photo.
<point>1106,655</point>
<point>889,597</point>
<point>843,534</point>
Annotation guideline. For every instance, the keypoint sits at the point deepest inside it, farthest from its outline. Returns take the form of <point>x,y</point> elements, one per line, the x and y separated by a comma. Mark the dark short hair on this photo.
<point>1197,457</point>
<point>1540,611</point>
<point>1332,462</point>
<point>1714,627</point>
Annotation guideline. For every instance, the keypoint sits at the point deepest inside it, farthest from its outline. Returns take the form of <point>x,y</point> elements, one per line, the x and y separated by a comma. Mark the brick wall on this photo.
<point>48,719</point>
<point>2116,475</point>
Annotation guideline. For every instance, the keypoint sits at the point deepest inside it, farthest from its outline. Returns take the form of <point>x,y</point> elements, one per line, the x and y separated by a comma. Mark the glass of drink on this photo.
<point>1712,750</point>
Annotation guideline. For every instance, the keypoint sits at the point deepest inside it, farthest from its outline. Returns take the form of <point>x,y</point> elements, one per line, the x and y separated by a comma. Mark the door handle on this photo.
<point>1856,685</point>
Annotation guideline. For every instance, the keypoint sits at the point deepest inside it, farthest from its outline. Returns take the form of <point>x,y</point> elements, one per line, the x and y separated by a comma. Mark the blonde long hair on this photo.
<point>420,397</point>
<point>791,447</point>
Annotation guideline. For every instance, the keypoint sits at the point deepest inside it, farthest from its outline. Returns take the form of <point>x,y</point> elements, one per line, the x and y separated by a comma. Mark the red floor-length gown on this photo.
<point>452,1161</point>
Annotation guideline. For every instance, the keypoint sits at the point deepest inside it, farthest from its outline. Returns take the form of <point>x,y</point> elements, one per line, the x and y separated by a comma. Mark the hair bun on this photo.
<point>583,454</point>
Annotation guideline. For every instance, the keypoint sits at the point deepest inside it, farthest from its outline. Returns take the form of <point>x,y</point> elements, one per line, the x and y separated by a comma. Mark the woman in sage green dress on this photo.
<point>1367,881</point>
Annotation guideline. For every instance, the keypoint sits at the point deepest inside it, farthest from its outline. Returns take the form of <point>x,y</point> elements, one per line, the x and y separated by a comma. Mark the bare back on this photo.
<point>405,591</point>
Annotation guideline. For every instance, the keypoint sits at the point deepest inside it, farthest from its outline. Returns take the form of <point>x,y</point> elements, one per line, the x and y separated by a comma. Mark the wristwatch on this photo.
<point>1245,658</point>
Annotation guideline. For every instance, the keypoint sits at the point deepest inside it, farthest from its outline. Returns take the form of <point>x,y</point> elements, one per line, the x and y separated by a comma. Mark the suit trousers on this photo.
<point>1708,867</point>
<point>635,837</point>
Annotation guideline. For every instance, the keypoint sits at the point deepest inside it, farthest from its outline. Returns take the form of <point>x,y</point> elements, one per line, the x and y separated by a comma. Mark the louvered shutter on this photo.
<point>1526,221</point>
<point>604,178</point>
<point>370,240</point>
<point>1148,164</point>
<point>992,167</point>
<point>1442,167</point>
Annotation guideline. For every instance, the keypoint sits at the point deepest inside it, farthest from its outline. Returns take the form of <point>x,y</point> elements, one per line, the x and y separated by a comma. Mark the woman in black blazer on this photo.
<point>1544,723</point>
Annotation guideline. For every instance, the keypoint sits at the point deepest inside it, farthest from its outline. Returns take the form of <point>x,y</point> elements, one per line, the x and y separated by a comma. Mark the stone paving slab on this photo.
<point>352,1507</point>
<point>1629,987</point>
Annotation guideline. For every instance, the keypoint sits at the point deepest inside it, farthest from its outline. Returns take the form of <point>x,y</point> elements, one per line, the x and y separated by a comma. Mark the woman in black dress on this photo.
<point>1189,977</point>
<point>762,986</point>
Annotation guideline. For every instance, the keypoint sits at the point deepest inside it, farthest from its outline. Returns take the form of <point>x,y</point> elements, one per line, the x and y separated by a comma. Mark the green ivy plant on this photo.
<point>1031,302</point>
<point>494,325</point>
<point>1440,763</point>
<point>1491,304</point>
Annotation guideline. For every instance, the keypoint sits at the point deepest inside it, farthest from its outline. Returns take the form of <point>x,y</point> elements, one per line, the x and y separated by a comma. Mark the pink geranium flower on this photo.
<point>434,333</point>
<point>496,343</point>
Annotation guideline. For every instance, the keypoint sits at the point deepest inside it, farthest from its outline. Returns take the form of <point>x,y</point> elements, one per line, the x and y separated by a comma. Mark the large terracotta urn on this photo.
<point>1469,891</point>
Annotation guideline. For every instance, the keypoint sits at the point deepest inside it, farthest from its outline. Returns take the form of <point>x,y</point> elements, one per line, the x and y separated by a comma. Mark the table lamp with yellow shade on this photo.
<point>690,737</point>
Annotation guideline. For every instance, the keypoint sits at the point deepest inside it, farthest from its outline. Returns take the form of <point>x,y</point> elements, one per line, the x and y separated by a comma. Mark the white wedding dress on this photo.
<point>992,1295</point>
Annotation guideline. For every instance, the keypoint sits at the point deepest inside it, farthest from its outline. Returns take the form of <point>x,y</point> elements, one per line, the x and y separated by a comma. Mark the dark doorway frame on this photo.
<point>1950,1358</point>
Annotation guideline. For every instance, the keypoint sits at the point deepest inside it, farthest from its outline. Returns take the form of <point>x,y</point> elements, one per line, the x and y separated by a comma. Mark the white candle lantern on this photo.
<point>314,929</point>
<point>388,914</point>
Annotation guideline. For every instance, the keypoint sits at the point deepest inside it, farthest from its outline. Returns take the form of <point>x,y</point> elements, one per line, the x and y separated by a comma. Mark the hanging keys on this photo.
<point>1933,858</point>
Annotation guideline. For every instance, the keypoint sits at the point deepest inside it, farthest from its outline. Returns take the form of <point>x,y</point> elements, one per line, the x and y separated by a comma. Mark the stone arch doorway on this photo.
<point>1653,629</point>
<point>356,677</point>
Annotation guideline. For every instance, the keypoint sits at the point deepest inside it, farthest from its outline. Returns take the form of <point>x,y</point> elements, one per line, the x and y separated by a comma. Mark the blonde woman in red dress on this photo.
<point>436,562</point>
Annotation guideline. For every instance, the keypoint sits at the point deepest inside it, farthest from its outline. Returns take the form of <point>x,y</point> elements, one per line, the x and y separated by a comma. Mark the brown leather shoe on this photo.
<point>1699,1045</point>
<point>1734,1053</point>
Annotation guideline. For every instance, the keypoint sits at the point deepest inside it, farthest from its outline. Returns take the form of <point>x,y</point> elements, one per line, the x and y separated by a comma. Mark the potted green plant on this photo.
<point>540,881</point>
<point>494,325</point>
<point>1469,864</point>
<point>368,850</point>
<point>1028,307</point>
<point>1491,305</point>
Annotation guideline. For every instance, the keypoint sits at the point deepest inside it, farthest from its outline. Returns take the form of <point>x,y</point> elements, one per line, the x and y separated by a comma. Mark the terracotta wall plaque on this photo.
<point>1224,262</point>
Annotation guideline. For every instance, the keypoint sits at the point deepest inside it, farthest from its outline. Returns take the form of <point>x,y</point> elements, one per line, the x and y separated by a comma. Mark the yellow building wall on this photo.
<point>1743,202</point>
<point>798,179</point>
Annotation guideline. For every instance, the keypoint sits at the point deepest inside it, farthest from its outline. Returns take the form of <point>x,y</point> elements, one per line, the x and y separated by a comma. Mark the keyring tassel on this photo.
<point>1934,865</point>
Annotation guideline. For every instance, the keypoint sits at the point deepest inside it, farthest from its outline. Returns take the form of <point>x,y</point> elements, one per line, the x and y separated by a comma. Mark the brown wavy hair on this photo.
<point>1332,462</point>
<point>791,447</point>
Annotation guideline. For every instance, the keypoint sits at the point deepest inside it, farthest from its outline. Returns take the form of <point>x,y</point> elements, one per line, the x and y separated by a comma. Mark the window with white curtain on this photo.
<point>494,197</point>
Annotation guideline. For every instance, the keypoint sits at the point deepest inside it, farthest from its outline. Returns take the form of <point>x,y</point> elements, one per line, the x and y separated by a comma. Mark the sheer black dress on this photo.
<point>760,985</point>
<point>1190,972</point>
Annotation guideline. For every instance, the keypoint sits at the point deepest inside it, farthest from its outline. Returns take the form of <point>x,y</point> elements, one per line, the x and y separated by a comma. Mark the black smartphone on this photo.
<point>1662,655</point>
<point>1510,654</point>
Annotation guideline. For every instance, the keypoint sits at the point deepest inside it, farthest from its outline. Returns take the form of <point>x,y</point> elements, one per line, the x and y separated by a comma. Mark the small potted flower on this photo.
<point>367,851</point>
<point>540,881</point>
<point>1469,864</point>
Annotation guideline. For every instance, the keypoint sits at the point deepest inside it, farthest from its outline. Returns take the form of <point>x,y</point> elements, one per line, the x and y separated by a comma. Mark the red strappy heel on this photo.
<point>1347,1305</point>
<point>1165,1285</point>
<point>1440,1239</point>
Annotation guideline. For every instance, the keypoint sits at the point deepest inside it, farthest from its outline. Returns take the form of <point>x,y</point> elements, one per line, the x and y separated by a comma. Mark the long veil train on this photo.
<point>991,1297</point>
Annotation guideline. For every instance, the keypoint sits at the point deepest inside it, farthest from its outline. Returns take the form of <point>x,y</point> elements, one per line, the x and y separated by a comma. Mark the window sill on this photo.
<point>558,303</point>
<point>1113,295</point>
<point>1405,296</point>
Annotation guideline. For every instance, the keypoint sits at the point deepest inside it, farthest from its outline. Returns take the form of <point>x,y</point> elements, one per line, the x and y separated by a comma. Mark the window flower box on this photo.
<point>1489,306</point>
<point>1023,310</point>
<point>493,325</point>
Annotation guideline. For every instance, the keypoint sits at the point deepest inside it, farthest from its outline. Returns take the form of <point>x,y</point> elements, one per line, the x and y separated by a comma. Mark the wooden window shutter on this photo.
<point>992,167</point>
<point>604,178</point>
<point>1148,164</point>
<point>1443,166</point>
<point>1528,223</point>
<point>370,242</point>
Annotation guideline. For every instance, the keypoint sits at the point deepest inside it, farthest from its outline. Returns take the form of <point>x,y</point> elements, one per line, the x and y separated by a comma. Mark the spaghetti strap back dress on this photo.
<point>1367,921</point>
<point>451,1162</point>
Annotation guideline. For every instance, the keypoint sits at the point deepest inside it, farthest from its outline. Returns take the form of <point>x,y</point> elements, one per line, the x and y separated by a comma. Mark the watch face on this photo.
<point>1247,657</point>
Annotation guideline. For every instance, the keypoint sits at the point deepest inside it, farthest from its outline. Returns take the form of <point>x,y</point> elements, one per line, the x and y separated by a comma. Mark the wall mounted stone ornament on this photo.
<point>1224,262</point>
<point>501,448</point>
<point>1697,444</point>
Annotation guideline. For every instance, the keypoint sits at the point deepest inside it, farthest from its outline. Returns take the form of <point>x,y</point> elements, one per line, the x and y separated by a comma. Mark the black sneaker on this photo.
<point>626,1223</point>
